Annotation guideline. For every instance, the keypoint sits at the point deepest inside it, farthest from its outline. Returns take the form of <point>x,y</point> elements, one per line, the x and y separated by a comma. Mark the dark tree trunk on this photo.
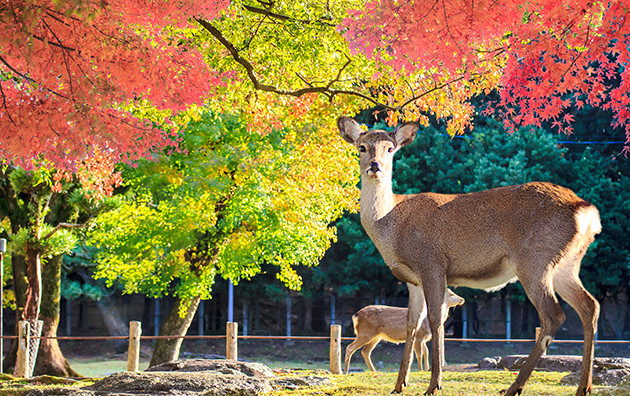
<point>50,359</point>
<point>114,322</point>
<point>307,326</point>
<point>20,288</point>
<point>167,350</point>
<point>112,318</point>
<point>34,273</point>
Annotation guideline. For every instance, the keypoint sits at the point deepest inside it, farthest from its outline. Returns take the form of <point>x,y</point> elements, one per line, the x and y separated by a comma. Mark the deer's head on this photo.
<point>376,147</point>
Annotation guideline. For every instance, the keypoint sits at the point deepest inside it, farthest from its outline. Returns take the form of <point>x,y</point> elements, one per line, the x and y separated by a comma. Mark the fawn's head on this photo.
<point>376,147</point>
<point>452,299</point>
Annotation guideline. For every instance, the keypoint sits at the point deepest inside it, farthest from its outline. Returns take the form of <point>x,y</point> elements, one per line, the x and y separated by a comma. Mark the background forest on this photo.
<point>351,273</point>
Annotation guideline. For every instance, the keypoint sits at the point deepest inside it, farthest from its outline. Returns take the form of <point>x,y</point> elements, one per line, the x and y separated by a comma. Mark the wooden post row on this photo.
<point>335,349</point>
<point>133,354</point>
<point>231,341</point>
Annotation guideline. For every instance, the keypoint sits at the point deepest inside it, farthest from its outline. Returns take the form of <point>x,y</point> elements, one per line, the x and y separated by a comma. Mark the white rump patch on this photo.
<point>587,221</point>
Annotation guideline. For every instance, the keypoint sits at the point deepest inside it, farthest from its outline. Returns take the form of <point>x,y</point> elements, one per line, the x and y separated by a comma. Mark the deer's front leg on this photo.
<point>414,314</point>
<point>436,308</point>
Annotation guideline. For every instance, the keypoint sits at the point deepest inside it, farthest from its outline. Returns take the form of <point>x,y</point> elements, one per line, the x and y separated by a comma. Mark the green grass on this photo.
<point>480,383</point>
<point>97,368</point>
<point>477,383</point>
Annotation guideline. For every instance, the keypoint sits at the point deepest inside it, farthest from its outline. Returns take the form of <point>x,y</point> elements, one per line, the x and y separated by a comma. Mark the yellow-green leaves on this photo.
<point>232,200</point>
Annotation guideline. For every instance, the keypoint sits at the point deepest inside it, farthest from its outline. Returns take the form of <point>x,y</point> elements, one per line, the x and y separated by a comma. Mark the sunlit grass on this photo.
<point>97,368</point>
<point>479,383</point>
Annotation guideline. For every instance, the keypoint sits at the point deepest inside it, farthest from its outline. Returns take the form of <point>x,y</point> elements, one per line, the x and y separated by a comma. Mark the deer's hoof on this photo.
<point>583,391</point>
<point>433,389</point>
<point>510,392</point>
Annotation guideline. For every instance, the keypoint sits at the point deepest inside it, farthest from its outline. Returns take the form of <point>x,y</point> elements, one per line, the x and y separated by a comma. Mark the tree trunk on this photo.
<point>113,320</point>
<point>167,350</point>
<point>50,359</point>
<point>20,288</point>
<point>308,316</point>
<point>34,273</point>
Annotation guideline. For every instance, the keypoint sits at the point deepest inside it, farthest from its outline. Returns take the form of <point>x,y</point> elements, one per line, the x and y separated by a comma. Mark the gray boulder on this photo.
<point>191,377</point>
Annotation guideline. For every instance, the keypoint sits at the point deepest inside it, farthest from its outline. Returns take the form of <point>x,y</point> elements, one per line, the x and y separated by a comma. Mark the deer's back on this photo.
<point>481,236</point>
<point>389,323</point>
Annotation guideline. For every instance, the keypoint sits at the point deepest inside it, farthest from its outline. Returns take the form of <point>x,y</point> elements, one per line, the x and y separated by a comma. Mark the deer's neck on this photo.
<point>377,200</point>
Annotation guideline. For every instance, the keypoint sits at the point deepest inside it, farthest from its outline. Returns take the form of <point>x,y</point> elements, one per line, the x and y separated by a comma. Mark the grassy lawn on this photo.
<point>477,383</point>
<point>97,368</point>
<point>480,383</point>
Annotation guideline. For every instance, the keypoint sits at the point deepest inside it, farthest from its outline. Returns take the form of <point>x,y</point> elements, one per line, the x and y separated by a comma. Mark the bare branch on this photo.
<point>281,17</point>
<point>15,71</point>
<point>249,69</point>
<point>4,104</point>
<point>326,90</point>
<point>64,226</point>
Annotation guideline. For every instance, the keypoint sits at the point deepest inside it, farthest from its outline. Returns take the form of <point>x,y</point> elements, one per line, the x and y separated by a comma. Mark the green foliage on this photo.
<point>60,242</point>
<point>230,201</point>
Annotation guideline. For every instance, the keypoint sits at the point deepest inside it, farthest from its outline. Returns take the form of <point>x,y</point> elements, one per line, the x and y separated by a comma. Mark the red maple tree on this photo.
<point>554,55</point>
<point>70,72</point>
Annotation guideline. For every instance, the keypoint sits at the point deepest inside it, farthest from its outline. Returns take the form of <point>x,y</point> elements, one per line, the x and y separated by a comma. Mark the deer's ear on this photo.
<point>405,133</point>
<point>349,128</point>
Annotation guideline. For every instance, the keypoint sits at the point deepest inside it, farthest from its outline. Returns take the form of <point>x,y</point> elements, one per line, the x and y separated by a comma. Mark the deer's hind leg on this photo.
<point>536,279</point>
<point>351,349</point>
<point>570,288</point>
<point>367,352</point>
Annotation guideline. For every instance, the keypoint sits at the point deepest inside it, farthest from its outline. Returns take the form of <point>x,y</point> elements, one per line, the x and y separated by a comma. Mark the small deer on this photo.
<point>536,233</point>
<point>380,322</point>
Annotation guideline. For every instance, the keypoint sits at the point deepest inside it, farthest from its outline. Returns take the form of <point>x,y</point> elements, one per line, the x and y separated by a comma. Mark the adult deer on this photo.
<point>537,233</point>
<point>380,322</point>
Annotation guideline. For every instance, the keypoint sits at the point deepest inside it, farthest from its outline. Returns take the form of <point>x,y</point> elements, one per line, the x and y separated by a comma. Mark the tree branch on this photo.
<point>64,226</point>
<point>281,17</point>
<point>326,90</point>
<point>249,69</point>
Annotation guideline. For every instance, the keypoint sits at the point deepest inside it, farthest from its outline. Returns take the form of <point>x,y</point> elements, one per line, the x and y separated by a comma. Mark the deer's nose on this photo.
<point>375,166</point>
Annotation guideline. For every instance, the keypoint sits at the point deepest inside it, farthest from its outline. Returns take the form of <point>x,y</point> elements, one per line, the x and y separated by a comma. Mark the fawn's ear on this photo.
<point>405,133</point>
<point>350,129</point>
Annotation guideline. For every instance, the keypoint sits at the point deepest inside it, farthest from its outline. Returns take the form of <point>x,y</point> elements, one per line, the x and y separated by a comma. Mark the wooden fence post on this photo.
<point>231,341</point>
<point>133,354</point>
<point>21,366</point>
<point>335,349</point>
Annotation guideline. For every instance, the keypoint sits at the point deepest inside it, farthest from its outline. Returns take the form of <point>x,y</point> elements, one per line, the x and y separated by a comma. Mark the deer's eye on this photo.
<point>391,149</point>
<point>362,149</point>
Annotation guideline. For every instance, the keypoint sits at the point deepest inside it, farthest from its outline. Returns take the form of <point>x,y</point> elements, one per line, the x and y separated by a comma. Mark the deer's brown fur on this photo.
<point>535,232</point>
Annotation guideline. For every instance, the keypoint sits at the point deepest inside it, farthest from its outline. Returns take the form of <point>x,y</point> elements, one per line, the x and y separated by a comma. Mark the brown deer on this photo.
<point>380,322</point>
<point>537,233</point>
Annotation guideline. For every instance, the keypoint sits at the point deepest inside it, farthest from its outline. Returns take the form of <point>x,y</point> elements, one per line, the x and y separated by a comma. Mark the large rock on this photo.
<point>606,371</point>
<point>191,377</point>
<point>225,366</point>
<point>621,389</point>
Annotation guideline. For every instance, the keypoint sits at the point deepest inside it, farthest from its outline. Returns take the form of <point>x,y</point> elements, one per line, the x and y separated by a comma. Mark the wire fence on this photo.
<point>27,360</point>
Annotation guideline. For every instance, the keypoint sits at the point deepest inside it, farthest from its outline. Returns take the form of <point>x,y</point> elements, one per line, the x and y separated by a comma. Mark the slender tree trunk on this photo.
<point>50,359</point>
<point>167,350</point>
<point>112,318</point>
<point>114,322</point>
<point>308,315</point>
